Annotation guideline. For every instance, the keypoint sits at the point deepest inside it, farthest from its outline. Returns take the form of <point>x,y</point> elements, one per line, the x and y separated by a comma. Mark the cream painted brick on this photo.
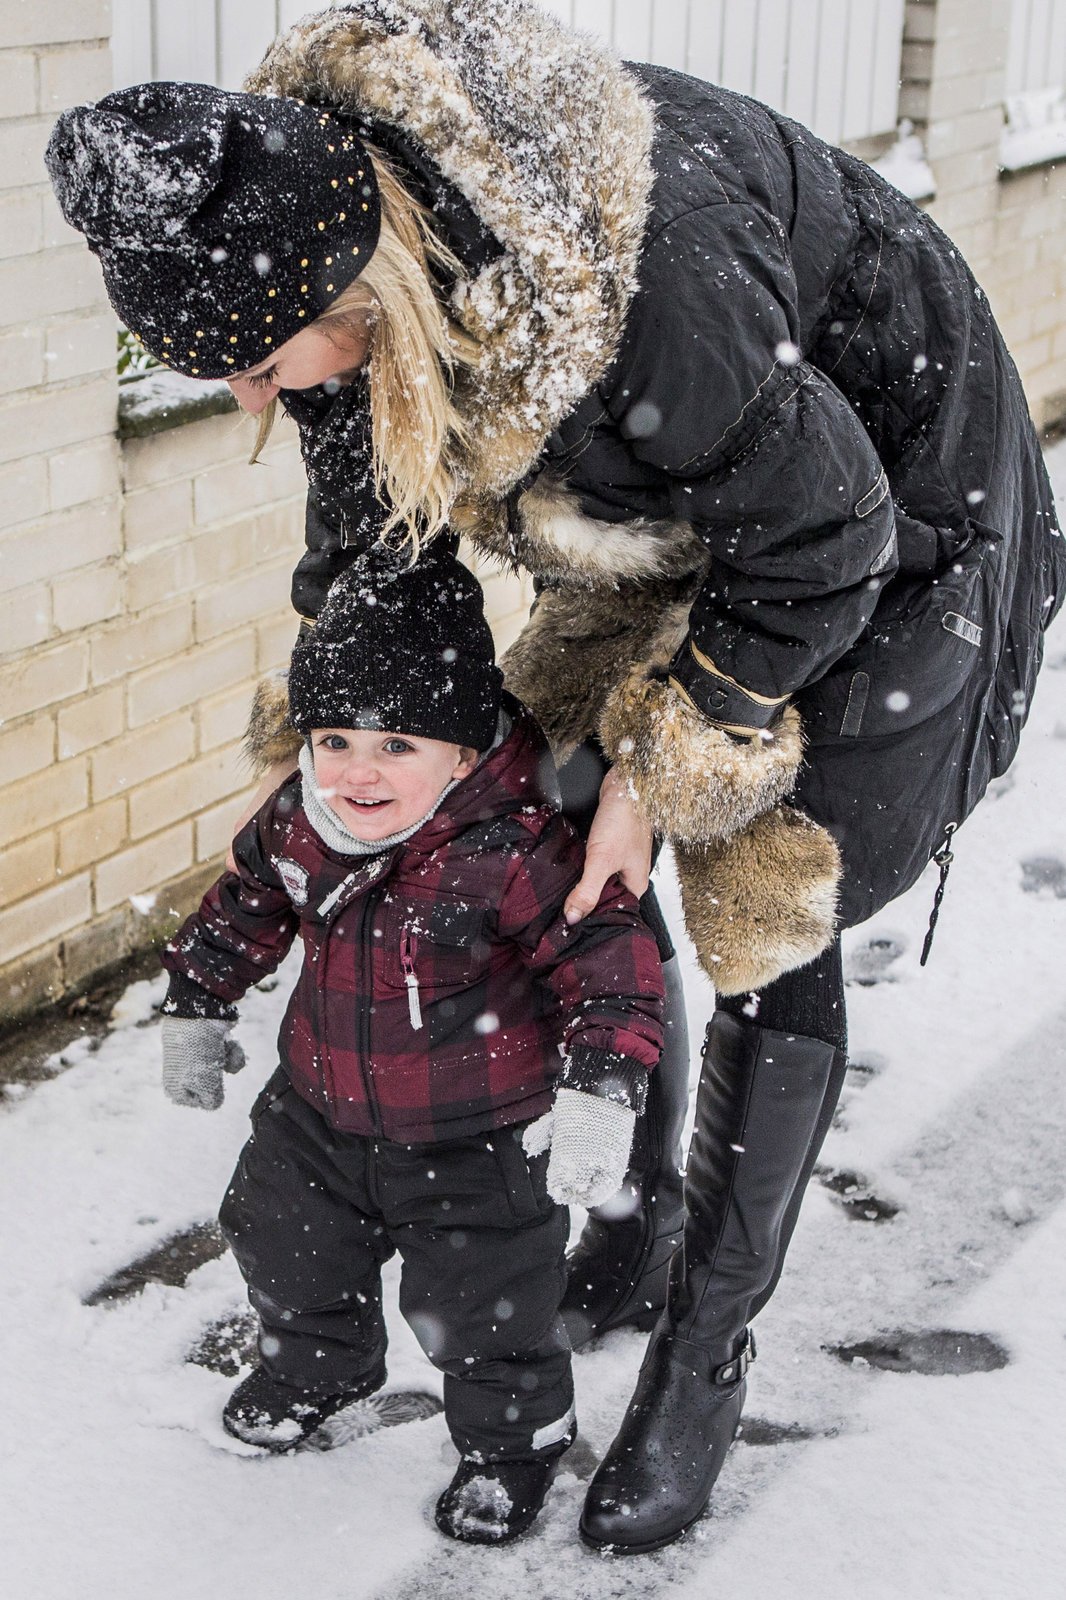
<point>53,281</point>
<point>49,796</point>
<point>22,144</point>
<point>91,721</point>
<point>41,918</point>
<point>179,452</point>
<point>52,419</point>
<point>18,82</point>
<point>182,794</point>
<point>274,641</point>
<point>26,748</point>
<point>234,605</point>
<point>194,564</point>
<point>279,531</point>
<point>976,130</point>
<point>64,541</point>
<point>57,21</point>
<point>44,678</point>
<point>214,828</point>
<point>20,223</point>
<point>202,672</point>
<point>151,517</point>
<point>140,756</point>
<point>55,229</point>
<point>27,618</point>
<point>27,867</point>
<point>228,490</point>
<point>21,360</point>
<point>140,641</point>
<point>81,345</point>
<point>223,717</point>
<point>23,491</point>
<point>963,174</point>
<point>86,472</point>
<point>920,20</point>
<point>140,870</point>
<point>86,597</point>
<point>73,76</point>
<point>92,836</point>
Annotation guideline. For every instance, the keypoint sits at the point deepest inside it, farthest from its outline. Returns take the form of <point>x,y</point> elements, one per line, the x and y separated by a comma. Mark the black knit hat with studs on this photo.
<point>224,222</point>
<point>401,646</point>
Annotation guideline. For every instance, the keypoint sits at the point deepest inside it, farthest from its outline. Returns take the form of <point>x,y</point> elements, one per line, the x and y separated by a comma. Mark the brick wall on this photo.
<point>1011,229</point>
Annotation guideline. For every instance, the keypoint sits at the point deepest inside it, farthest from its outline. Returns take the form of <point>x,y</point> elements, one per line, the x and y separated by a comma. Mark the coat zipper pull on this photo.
<point>943,858</point>
<point>410,976</point>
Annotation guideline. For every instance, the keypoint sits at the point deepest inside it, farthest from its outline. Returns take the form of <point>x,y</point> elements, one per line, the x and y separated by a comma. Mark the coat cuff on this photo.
<point>722,699</point>
<point>608,1075</point>
<point>187,998</point>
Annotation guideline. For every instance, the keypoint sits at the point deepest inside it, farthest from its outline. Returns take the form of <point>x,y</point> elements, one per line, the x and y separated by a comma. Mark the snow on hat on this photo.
<point>224,223</point>
<point>400,646</point>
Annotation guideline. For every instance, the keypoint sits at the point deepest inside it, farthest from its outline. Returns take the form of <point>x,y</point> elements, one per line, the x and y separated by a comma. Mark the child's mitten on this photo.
<point>590,1139</point>
<point>196,1052</point>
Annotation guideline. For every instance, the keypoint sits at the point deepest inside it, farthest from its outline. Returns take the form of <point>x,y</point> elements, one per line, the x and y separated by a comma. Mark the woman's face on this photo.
<point>309,358</point>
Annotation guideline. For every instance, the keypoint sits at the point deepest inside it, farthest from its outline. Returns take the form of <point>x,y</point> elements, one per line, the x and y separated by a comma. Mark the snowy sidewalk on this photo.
<point>941,1207</point>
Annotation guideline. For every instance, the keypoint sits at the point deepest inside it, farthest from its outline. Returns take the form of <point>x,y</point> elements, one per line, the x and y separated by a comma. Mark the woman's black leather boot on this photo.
<point>617,1272</point>
<point>765,1103</point>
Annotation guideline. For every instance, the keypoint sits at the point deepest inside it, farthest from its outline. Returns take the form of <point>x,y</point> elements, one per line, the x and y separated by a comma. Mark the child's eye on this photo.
<point>260,379</point>
<point>397,747</point>
<point>334,741</point>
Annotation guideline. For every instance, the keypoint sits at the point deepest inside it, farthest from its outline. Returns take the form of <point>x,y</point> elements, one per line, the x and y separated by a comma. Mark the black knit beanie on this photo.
<point>402,647</point>
<point>224,222</point>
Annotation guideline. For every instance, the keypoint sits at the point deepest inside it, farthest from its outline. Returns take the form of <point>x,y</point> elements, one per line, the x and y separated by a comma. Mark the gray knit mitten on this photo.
<point>196,1052</point>
<point>590,1141</point>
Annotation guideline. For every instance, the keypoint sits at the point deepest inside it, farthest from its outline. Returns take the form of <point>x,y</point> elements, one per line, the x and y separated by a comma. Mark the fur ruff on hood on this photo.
<point>549,139</point>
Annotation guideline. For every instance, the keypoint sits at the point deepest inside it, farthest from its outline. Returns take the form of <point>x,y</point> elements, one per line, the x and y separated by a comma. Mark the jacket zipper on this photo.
<point>328,905</point>
<point>408,950</point>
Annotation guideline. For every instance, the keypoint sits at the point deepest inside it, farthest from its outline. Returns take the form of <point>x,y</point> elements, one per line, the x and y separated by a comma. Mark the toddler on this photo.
<point>457,1063</point>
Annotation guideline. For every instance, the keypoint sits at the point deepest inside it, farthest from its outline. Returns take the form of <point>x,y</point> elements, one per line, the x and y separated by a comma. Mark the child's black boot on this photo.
<point>278,1416</point>
<point>493,1502</point>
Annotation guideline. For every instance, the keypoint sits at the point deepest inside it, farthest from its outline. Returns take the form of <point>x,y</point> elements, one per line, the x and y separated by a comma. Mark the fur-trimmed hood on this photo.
<point>549,138</point>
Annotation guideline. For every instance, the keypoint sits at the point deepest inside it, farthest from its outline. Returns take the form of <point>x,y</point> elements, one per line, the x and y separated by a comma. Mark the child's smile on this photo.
<point>380,783</point>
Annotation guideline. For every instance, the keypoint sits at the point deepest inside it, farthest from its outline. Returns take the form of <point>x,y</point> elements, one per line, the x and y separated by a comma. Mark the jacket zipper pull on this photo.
<point>410,976</point>
<point>943,858</point>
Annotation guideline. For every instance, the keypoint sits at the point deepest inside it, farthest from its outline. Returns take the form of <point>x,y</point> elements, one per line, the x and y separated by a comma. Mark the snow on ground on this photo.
<point>119,1481</point>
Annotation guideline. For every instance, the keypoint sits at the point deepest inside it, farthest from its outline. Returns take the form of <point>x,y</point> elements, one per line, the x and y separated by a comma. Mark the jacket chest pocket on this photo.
<point>437,945</point>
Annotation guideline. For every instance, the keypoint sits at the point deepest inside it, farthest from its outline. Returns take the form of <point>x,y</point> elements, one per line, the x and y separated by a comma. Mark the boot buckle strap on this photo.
<point>731,1372</point>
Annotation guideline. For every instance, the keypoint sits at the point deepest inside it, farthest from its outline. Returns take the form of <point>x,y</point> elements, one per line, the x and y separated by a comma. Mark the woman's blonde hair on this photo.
<point>416,351</point>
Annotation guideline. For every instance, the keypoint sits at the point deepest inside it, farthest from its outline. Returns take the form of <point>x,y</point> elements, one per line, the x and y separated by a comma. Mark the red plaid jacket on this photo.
<point>440,979</point>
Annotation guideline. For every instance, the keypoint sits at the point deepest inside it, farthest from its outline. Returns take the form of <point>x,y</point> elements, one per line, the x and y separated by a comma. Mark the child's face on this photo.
<point>310,357</point>
<point>380,783</point>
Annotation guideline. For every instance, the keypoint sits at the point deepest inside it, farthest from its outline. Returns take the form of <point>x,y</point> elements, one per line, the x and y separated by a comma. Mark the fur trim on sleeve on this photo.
<point>270,735</point>
<point>761,903</point>
<point>693,782</point>
<point>574,649</point>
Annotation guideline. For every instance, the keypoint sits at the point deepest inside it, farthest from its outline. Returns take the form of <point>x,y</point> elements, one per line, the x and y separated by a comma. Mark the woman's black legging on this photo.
<point>809,1001</point>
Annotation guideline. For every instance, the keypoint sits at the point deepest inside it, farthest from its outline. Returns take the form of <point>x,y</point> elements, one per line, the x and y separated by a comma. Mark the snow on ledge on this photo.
<point>1036,129</point>
<point>905,167</point>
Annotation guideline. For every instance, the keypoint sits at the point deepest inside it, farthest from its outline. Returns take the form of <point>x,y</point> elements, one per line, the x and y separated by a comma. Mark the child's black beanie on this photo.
<point>403,646</point>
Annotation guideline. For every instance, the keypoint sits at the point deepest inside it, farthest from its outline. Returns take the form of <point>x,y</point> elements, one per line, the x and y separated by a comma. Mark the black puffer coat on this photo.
<point>783,357</point>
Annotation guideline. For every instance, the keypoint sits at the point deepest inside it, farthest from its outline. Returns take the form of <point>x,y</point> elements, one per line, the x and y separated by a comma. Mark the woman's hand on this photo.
<point>273,778</point>
<point>619,841</point>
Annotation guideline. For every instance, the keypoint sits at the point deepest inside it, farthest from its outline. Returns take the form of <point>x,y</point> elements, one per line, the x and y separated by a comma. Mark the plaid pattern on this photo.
<point>441,985</point>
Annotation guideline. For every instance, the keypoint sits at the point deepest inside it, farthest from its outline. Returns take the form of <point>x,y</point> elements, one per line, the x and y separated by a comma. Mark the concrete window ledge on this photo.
<point>1035,134</point>
<point>158,400</point>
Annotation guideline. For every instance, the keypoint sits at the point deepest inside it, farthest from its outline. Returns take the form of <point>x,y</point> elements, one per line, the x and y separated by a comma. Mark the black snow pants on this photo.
<point>311,1215</point>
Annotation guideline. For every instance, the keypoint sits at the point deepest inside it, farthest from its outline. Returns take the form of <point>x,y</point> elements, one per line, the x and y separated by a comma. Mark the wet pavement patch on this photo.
<point>169,1263</point>
<point>938,1352</point>
<point>853,1194</point>
<point>227,1345</point>
<point>757,1430</point>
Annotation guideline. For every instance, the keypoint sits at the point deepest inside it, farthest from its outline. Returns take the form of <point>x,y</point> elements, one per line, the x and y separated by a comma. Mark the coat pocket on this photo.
<point>928,638</point>
<point>434,944</point>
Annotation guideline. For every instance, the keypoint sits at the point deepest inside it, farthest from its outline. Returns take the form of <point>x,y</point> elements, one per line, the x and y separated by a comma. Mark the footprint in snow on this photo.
<point>1044,874</point>
<point>869,962</point>
<point>935,1352</point>
<point>854,1196</point>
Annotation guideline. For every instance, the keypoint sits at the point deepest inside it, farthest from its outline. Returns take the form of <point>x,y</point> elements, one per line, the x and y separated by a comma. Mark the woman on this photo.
<point>742,411</point>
